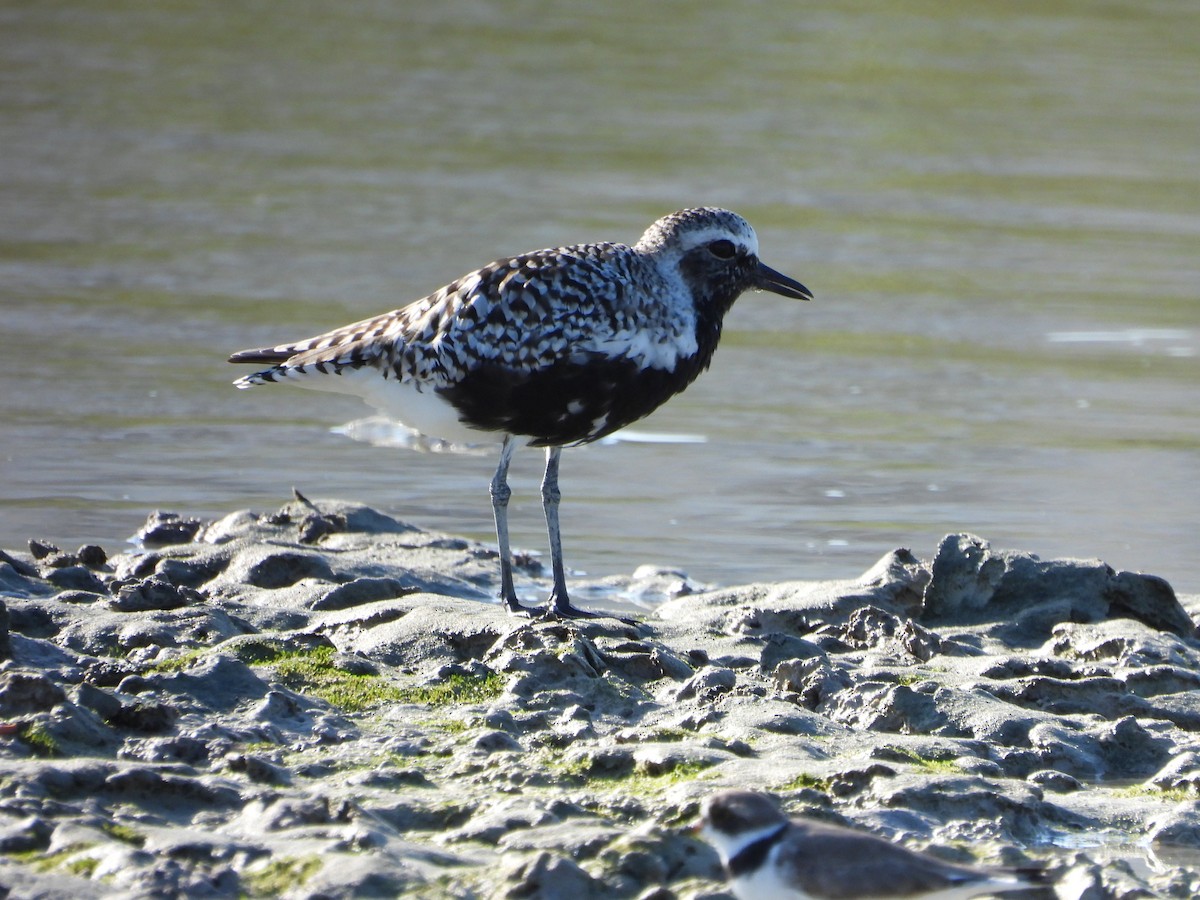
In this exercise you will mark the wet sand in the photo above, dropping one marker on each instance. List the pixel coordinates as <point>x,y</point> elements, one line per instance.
<point>322,701</point>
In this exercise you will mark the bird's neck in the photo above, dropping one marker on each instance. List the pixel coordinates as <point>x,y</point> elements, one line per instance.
<point>710,317</point>
<point>754,853</point>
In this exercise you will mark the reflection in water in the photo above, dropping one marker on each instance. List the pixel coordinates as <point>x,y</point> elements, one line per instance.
<point>1141,856</point>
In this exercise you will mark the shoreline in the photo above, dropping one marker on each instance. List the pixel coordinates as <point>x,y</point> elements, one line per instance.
<point>325,701</point>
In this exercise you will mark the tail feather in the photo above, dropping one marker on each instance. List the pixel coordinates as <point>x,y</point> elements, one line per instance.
<point>262,356</point>
<point>266,376</point>
<point>273,357</point>
<point>297,361</point>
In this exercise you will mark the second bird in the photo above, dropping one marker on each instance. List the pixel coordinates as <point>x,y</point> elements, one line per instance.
<point>555,347</point>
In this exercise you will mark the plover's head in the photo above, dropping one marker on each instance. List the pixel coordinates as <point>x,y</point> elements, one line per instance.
<point>716,254</point>
<point>732,820</point>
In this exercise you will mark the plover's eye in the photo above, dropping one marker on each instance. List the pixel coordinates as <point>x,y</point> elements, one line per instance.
<point>722,249</point>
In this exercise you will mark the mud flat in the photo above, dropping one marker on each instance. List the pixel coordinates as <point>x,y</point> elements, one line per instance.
<point>322,701</point>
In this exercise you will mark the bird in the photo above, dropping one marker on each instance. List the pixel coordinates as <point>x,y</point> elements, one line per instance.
<point>770,857</point>
<point>553,348</point>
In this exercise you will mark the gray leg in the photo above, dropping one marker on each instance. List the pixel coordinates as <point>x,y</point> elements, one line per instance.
<point>559,603</point>
<point>500,492</point>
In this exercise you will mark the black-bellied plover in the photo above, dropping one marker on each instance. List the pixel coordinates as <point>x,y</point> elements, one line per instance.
<point>769,857</point>
<point>556,347</point>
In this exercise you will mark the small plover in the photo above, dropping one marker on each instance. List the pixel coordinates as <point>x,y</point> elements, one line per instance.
<point>555,347</point>
<point>769,857</point>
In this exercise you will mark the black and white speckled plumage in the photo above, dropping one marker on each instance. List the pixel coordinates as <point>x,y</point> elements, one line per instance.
<point>559,346</point>
<point>769,857</point>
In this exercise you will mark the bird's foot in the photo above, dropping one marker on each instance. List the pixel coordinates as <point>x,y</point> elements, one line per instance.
<point>514,608</point>
<point>560,608</point>
<point>557,609</point>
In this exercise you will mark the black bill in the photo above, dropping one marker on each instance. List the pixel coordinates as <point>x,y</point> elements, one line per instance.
<point>770,280</point>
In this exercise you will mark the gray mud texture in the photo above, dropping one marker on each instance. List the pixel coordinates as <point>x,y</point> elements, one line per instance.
<point>326,702</point>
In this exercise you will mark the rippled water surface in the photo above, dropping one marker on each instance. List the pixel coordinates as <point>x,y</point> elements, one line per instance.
<point>996,205</point>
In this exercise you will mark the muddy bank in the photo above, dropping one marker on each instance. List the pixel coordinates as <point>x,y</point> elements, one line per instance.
<point>322,701</point>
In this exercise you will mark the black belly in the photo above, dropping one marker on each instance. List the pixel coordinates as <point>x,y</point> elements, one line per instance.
<point>566,403</point>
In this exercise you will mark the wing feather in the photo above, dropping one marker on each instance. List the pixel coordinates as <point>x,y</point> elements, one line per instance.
<point>524,313</point>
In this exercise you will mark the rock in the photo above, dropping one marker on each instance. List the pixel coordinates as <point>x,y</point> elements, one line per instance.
<point>1181,709</point>
<point>40,550</point>
<point>1179,827</point>
<point>577,668</point>
<point>1182,771</point>
<point>653,583</point>
<point>217,683</point>
<point>602,762</point>
<point>816,681</point>
<point>778,648</point>
<point>1067,750</point>
<point>418,630</point>
<point>499,822</point>
<point>707,684</point>
<point>408,815</point>
<point>548,877</point>
<point>893,584</point>
<point>188,573</point>
<point>496,741</point>
<point>144,716</point>
<point>152,593</point>
<point>315,526</point>
<point>1121,642</point>
<point>103,703</point>
<point>894,708</point>
<point>177,749</point>
<point>363,590</point>
<point>1008,811</point>
<point>656,760</point>
<point>1053,780</point>
<point>165,528</point>
<point>873,628</point>
<point>76,578</point>
<point>111,633</point>
<point>972,583</point>
<point>1150,600</point>
<point>24,835</point>
<point>1130,751</point>
<point>92,556</point>
<point>27,692</point>
<point>643,661</point>
<point>277,569</point>
<point>15,583</point>
<point>79,597</point>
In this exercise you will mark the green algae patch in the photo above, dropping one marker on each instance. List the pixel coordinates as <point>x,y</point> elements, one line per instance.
<point>927,764</point>
<point>179,663</point>
<point>123,833</point>
<point>315,672</point>
<point>68,858</point>
<point>805,781</point>
<point>455,689</point>
<point>84,866</point>
<point>280,875</point>
<point>39,740</point>
<point>1179,794</point>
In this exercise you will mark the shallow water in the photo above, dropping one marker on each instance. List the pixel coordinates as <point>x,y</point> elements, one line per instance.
<point>998,209</point>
